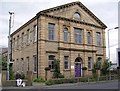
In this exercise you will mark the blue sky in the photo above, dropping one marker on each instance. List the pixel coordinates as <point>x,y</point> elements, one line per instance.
<point>105,10</point>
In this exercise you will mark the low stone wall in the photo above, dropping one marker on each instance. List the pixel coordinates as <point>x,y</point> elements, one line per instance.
<point>9,83</point>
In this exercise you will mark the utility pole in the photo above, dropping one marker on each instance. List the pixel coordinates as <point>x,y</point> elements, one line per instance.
<point>109,49</point>
<point>9,40</point>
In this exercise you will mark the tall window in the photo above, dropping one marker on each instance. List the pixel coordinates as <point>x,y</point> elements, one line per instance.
<point>78,35</point>
<point>99,62</point>
<point>22,39</point>
<point>51,31</point>
<point>89,38</point>
<point>89,62</point>
<point>28,36</point>
<point>98,38</point>
<point>17,41</point>
<point>65,34</point>
<point>35,33</point>
<point>35,63</point>
<point>66,62</point>
<point>51,61</point>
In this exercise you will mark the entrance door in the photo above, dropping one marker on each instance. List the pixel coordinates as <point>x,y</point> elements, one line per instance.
<point>77,70</point>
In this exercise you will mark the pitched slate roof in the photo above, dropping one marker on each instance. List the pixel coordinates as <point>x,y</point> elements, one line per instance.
<point>72,4</point>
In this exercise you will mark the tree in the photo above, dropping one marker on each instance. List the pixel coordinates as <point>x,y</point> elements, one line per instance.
<point>96,68</point>
<point>56,68</point>
<point>3,63</point>
<point>57,73</point>
<point>105,67</point>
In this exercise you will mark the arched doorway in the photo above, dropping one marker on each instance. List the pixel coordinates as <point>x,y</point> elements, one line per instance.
<point>78,67</point>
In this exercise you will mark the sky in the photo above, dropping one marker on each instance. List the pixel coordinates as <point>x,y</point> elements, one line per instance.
<point>105,10</point>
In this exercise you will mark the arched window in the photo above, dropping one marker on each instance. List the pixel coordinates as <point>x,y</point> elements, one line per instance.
<point>51,61</point>
<point>89,37</point>
<point>78,59</point>
<point>76,15</point>
<point>65,35</point>
<point>51,57</point>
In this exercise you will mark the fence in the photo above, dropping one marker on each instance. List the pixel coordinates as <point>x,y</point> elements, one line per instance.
<point>84,79</point>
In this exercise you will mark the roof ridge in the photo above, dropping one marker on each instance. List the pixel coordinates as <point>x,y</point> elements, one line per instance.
<point>59,6</point>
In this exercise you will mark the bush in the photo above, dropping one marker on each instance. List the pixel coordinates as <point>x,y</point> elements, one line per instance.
<point>72,80</point>
<point>40,80</point>
<point>11,74</point>
<point>4,64</point>
<point>58,81</point>
<point>64,80</point>
<point>83,79</point>
<point>91,79</point>
<point>49,82</point>
<point>61,76</point>
<point>22,75</point>
<point>35,80</point>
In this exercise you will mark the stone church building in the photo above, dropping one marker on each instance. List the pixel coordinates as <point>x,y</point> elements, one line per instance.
<point>70,33</point>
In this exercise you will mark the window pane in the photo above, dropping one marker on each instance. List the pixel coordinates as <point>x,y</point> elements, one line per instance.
<point>65,34</point>
<point>98,38</point>
<point>99,62</point>
<point>51,29</point>
<point>35,33</point>
<point>51,61</point>
<point>78,35</point>
<point>89,37</point>
<point>89,62</point>
<point>66,62</point>
<point>51,57</point>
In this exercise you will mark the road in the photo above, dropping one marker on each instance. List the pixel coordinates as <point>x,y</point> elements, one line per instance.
<point>107,86</point>
<point>94,85</point>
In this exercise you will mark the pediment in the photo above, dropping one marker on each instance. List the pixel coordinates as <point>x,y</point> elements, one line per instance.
<point>68,11</point>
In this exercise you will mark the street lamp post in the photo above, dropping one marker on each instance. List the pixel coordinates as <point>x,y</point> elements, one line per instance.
<point>11,13</point>
<point>109,49</point>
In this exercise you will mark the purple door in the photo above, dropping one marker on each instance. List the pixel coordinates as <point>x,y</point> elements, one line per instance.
<point>77,70</point>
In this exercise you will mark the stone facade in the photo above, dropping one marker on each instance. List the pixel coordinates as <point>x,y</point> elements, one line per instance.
<point>77,54</point>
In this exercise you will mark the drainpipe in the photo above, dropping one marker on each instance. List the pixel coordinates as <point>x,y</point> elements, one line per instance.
<point>37,45</point>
